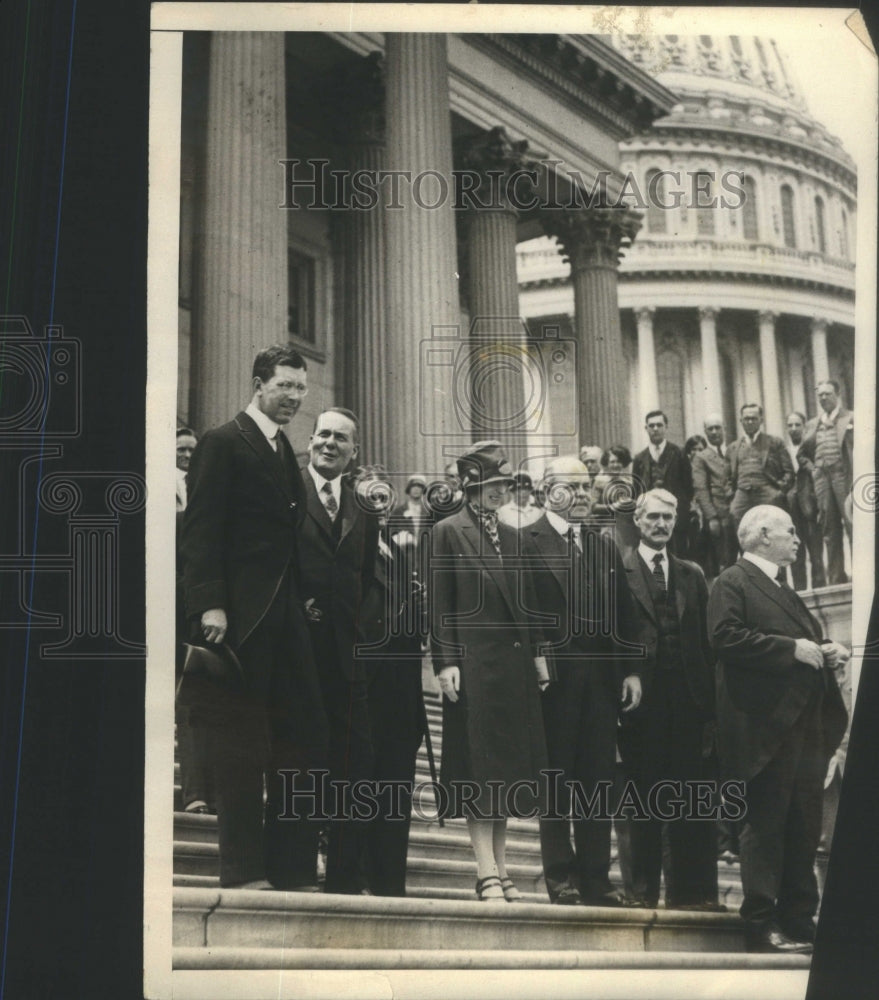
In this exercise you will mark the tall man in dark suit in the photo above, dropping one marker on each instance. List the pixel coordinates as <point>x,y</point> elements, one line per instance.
<point>663,466</point>
<point>338,543</point>
<point>669,737</point>
<point>827,452</point>
<point>713,494</point>
<point>579,584</point>
<point>804,510</point>
<point>780,717</point>
<point>241,573</point>
<point>760,469</point>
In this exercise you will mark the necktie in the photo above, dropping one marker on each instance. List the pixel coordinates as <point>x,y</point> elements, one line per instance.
<point>329,501</point>
<point>279,449</point>
<point>574,539</point>
<point>488,520</point>
<point>781,576</point>
<point>658,575</point>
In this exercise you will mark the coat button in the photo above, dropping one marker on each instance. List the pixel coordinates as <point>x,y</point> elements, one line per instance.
<point>292,505</point>
<point>517,645</point>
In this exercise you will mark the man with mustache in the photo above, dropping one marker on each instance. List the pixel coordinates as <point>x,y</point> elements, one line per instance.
<point>669,736</point>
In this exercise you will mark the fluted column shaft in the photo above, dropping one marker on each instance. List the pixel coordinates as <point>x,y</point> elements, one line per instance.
<point>820,362</point>
<point>773,418</point>
<point>244,274</point>
<point>592,240</point>
<point>421,255</point>
<point>648,384</point>
<point>711,392</point>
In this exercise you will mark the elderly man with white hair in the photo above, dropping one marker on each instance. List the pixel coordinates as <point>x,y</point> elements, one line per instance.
<point>780,718</point>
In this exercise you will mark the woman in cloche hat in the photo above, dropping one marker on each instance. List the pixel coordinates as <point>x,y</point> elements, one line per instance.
<point>484,655</point>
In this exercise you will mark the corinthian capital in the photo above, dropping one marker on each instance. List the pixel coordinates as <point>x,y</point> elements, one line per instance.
<point>593,237</point>
<point>503,173</point>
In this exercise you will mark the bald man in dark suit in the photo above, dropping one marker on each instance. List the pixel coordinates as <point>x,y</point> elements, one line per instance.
<point>780,718</point>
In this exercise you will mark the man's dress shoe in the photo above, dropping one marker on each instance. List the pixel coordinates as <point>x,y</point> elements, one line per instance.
<point>567,896</point>
<point>800,930</point>
<point>771,938</point>
<point>610,898</point>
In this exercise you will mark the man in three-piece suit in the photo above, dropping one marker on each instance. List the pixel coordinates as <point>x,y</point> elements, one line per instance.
<point>579,587</point>
<point>713,494</point>
<point>669,737</point>
<point>663,466</point>
<point>760,469</point>
<point>827,452</point>
<point>804,510</point>
<point>780,718</point>
<point>241,574</point>
<point>338,541</point>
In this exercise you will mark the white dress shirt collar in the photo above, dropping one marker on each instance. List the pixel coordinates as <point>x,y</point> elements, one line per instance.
<point>769,568</point>
<point>320,482</point>
<point>751,440</point>
<point>656,450</point>
<point>268,426</point>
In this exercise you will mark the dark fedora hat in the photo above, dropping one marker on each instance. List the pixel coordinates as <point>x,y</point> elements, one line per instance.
<point>484,462</point>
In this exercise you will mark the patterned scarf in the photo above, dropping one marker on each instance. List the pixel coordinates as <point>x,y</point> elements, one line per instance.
<point>488,520</point>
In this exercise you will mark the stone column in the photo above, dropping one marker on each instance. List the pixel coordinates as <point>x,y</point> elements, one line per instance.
<point>424,317</point>
<point>773,418</point>
<point>359,236</point>
<point>820,363</point>
<point>244,268</point>
<point>712,401</point>
<point>592,240</point>
<point>648,385</point>
<point>500,402</point>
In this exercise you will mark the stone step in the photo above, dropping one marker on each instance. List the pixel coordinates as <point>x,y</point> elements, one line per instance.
<point>207,918</point>
<point>421,959</point>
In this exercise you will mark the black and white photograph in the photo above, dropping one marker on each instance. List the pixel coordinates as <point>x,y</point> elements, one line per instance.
<point>505,630</point>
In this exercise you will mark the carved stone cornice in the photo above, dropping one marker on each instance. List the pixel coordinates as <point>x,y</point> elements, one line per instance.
<point>592,237</point>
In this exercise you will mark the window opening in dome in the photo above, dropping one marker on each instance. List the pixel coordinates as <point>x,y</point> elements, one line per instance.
<point>656,213</point>
<point>787,216</point>
<point>736,44</point>
<point>704,203</point>
<point>750,226</point>
<point>819,224</point>
<point>843,237</point>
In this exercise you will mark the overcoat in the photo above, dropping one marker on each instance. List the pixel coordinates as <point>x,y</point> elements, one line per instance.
<point>761,688</point>
<point>494,732</point>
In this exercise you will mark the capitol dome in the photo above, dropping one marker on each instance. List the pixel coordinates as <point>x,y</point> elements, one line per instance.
<point>740,284</point>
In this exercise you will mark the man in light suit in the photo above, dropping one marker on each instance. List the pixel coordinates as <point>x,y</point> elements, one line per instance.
<point>338,542</point>
<point>713,494</point>
<point>760,469</point>
<point>780,717</point>
<point>663,466</point>
<point>804,510</point>
<point>827,453</point>
<point>669,737</point>
<point>579,584</point>
<point>241,567</point>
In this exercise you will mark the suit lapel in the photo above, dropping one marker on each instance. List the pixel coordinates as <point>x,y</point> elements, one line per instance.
<point>348,511</point>
<point>269,457</point>
<point>773,592</point>
<point>679,575</point>
<point>549,543</point>
<point>631,561</point>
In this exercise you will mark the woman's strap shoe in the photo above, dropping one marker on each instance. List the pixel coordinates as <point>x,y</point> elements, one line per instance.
<point>489,888</point>
<point>511,893</point>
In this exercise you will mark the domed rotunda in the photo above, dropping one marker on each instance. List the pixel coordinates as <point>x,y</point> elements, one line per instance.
<point>739,287</point>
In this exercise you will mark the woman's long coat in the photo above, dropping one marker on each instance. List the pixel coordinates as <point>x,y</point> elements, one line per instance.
<point>477,600</point>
